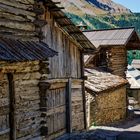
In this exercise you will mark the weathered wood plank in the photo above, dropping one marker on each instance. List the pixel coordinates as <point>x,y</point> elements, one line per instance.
<point>17,4</point>
<point>16,11</point>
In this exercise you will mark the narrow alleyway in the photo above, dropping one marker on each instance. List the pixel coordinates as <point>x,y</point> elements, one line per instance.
<point>125,130</point>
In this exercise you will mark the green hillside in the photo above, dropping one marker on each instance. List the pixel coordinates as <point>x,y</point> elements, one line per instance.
<point>111,21</point>
<point>108,21</point>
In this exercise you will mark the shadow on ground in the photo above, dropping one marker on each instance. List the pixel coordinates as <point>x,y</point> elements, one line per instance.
<point>128,129</point>
<point>129,122</point>
<point>101,134</point>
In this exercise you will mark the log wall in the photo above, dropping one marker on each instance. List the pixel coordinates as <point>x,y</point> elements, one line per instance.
<point>27,99</point>
<point>117,60</point>
<point>17,19</point>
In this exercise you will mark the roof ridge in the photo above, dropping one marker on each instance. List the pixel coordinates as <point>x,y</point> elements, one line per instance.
<point>123,28</point>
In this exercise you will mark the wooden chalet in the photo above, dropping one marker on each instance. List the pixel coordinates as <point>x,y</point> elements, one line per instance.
<point>40,97</point>
<point>106,97</point>
<point>111,48</point>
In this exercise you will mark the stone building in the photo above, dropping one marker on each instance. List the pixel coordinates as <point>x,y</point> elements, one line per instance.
<point>43,95</point>
<point>106,97</point>
<point>111,49</point>
<point>21,69</point>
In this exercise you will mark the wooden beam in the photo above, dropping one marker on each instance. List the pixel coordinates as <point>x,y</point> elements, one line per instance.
<point>75,32</point>
<point>83,91</point>
<point>69,107</point>
<point>61,17</point>
<point>52,4</point>
<point>55,9</point>
<point>12,107</point>
<point>81,40</point>
<point>133,46</point>
<point>90,51</point>
<point>66,25</point>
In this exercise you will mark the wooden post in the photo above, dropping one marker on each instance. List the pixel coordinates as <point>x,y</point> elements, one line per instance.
<point>68,107</point>
<point>83,91</point>
<point>12,107</point>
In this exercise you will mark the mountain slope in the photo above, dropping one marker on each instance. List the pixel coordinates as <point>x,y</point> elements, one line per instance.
<point>108,21</point>
<point>100,14</point>
<point>109,6</point>
<point>93,7</point>
<point>81,7</point>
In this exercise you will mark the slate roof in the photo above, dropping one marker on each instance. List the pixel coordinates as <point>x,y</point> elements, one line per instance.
<point>18,50</point>
<point>109,37</point>
<point>99,81</point>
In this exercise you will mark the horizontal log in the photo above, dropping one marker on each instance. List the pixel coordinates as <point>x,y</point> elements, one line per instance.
<point>14,17</point>
<point>16,32</point>
<point>76,98</point>
<point>18,69</point>
<point>56,110</point>
<point>17,25</point>
<point>57,86</point>
<point>17,4</point>
<point>16,11</point>
<point>24,38</point>
<point>76,86</point>
<point>26,1</point>
<point>51,81</point>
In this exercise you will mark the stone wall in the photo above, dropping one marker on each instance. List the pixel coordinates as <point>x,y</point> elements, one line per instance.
<point>26,76</point>
<point>107,107</point>
<point>20,19</point>
<point>4,108</point>
<point>117,60</point>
